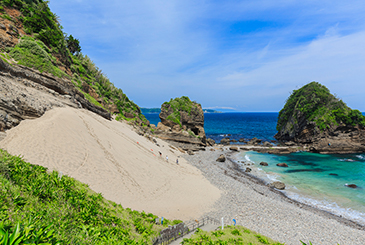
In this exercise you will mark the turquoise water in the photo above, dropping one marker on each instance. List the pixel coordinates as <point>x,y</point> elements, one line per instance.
<point>318,180</point>
<point>307,178</point>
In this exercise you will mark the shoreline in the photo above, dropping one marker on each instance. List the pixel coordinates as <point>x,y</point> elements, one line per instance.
<point>285,219</point>
<point>257,180</point>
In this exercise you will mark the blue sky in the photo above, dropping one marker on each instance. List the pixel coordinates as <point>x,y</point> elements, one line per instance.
<point>243,55</point>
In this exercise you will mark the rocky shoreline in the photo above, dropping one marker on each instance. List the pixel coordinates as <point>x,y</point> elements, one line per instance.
<point>264,209</point>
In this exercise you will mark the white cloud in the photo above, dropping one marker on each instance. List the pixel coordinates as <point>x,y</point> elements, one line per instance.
<point>156,50</point>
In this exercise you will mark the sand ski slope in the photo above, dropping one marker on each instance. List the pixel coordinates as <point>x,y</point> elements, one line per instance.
<point>115,161</point>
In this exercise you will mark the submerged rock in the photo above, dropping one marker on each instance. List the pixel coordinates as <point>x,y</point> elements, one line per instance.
<point>264,164</point>
<point>284,165</point>
<point>351,186</point>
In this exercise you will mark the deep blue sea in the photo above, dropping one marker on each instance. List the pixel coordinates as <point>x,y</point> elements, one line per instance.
<point>315,179</point>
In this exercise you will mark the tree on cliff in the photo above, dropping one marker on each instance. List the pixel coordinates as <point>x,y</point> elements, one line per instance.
<point>73,44</point>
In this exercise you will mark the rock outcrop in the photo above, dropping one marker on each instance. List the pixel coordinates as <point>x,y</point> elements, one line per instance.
<point>26,93</point>
<point>312,116</point>
<point>182,123</point>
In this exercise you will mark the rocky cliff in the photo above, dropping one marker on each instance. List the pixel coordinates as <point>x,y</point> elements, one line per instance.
<point>314,117</point>
<point>26,93</point>
<point>182,121</point>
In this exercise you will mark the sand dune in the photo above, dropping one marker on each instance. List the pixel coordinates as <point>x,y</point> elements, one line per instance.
<point>115,161</point>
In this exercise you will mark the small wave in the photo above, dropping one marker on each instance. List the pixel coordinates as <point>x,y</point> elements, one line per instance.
<point>247,158</point>
<point>362,157</point>
<point>272,177</point>
<point>331,207</point>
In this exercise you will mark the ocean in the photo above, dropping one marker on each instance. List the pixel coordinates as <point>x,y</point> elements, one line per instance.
<point>314,179</point>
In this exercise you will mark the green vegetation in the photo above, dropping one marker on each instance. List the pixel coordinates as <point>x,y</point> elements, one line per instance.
<point>49,49</point>
<point>315,102</point>
<point>230,235</point>
<point>38,206</point>
<point>177,105</point>
<point>35,54</point>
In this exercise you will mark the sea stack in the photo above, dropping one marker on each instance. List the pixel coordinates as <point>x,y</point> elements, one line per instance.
<point>314,117</point>
<point>182,123</point>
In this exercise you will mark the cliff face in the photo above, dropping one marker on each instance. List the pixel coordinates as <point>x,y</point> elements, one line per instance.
<point>182,121</point>
<point>313,116</point>
<point>26,93</point>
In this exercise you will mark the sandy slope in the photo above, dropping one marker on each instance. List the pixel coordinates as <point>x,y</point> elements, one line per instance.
<point>115,161</point>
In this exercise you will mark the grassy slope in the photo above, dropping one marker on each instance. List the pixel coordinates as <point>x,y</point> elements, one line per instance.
<point>230,235</point>
<point>318,105</point>
<point>74,214</point>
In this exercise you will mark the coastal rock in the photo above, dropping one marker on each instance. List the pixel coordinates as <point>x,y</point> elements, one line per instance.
<point>254,141</point>
<point>284,165</point>
<point>242,140</point>
<point>210,142</point>
<point>351,186</point>
<point>233,148</point>
<point>267,144</point>
<point>278,185</point>
<point>225,141</point>
<point>264,164</point>
<point>221,158</point>
<point>233,141</point>
<point>182,120</point>
<point>316,118</point>
<point>248,170</point>
<point>190,152</point>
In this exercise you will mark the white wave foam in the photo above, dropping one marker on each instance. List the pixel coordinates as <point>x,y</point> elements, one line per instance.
<point>331,207</point>
<point>247,158</point>
<point>362,157</point>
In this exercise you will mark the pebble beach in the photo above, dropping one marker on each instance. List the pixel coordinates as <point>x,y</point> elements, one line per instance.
<point>258,207</point>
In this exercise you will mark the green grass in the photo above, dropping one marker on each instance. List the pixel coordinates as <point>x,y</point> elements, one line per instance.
<point>44,202</point>
<point>35,54</point>
<point>230,235</point>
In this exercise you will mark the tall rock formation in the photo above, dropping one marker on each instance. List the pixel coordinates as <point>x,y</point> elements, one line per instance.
<point>313,116</point>
<point>182,122</point>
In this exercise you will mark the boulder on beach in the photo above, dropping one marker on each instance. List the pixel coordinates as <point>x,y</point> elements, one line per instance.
<point>233,140</point>
<point>248,170</point>
<point>210,142</point>
<point>264,164</point>
<point>278,185</point>
<point>242,140</point>
<point>221,158</point>
<point>233,148</point>
<point>284,165</point>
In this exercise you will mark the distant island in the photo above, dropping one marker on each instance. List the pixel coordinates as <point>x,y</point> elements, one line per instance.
<point>158,111</point>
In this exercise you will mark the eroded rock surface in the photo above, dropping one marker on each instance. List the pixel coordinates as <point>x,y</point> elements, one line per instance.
<point>26,93</point>
<point>182,124</point>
